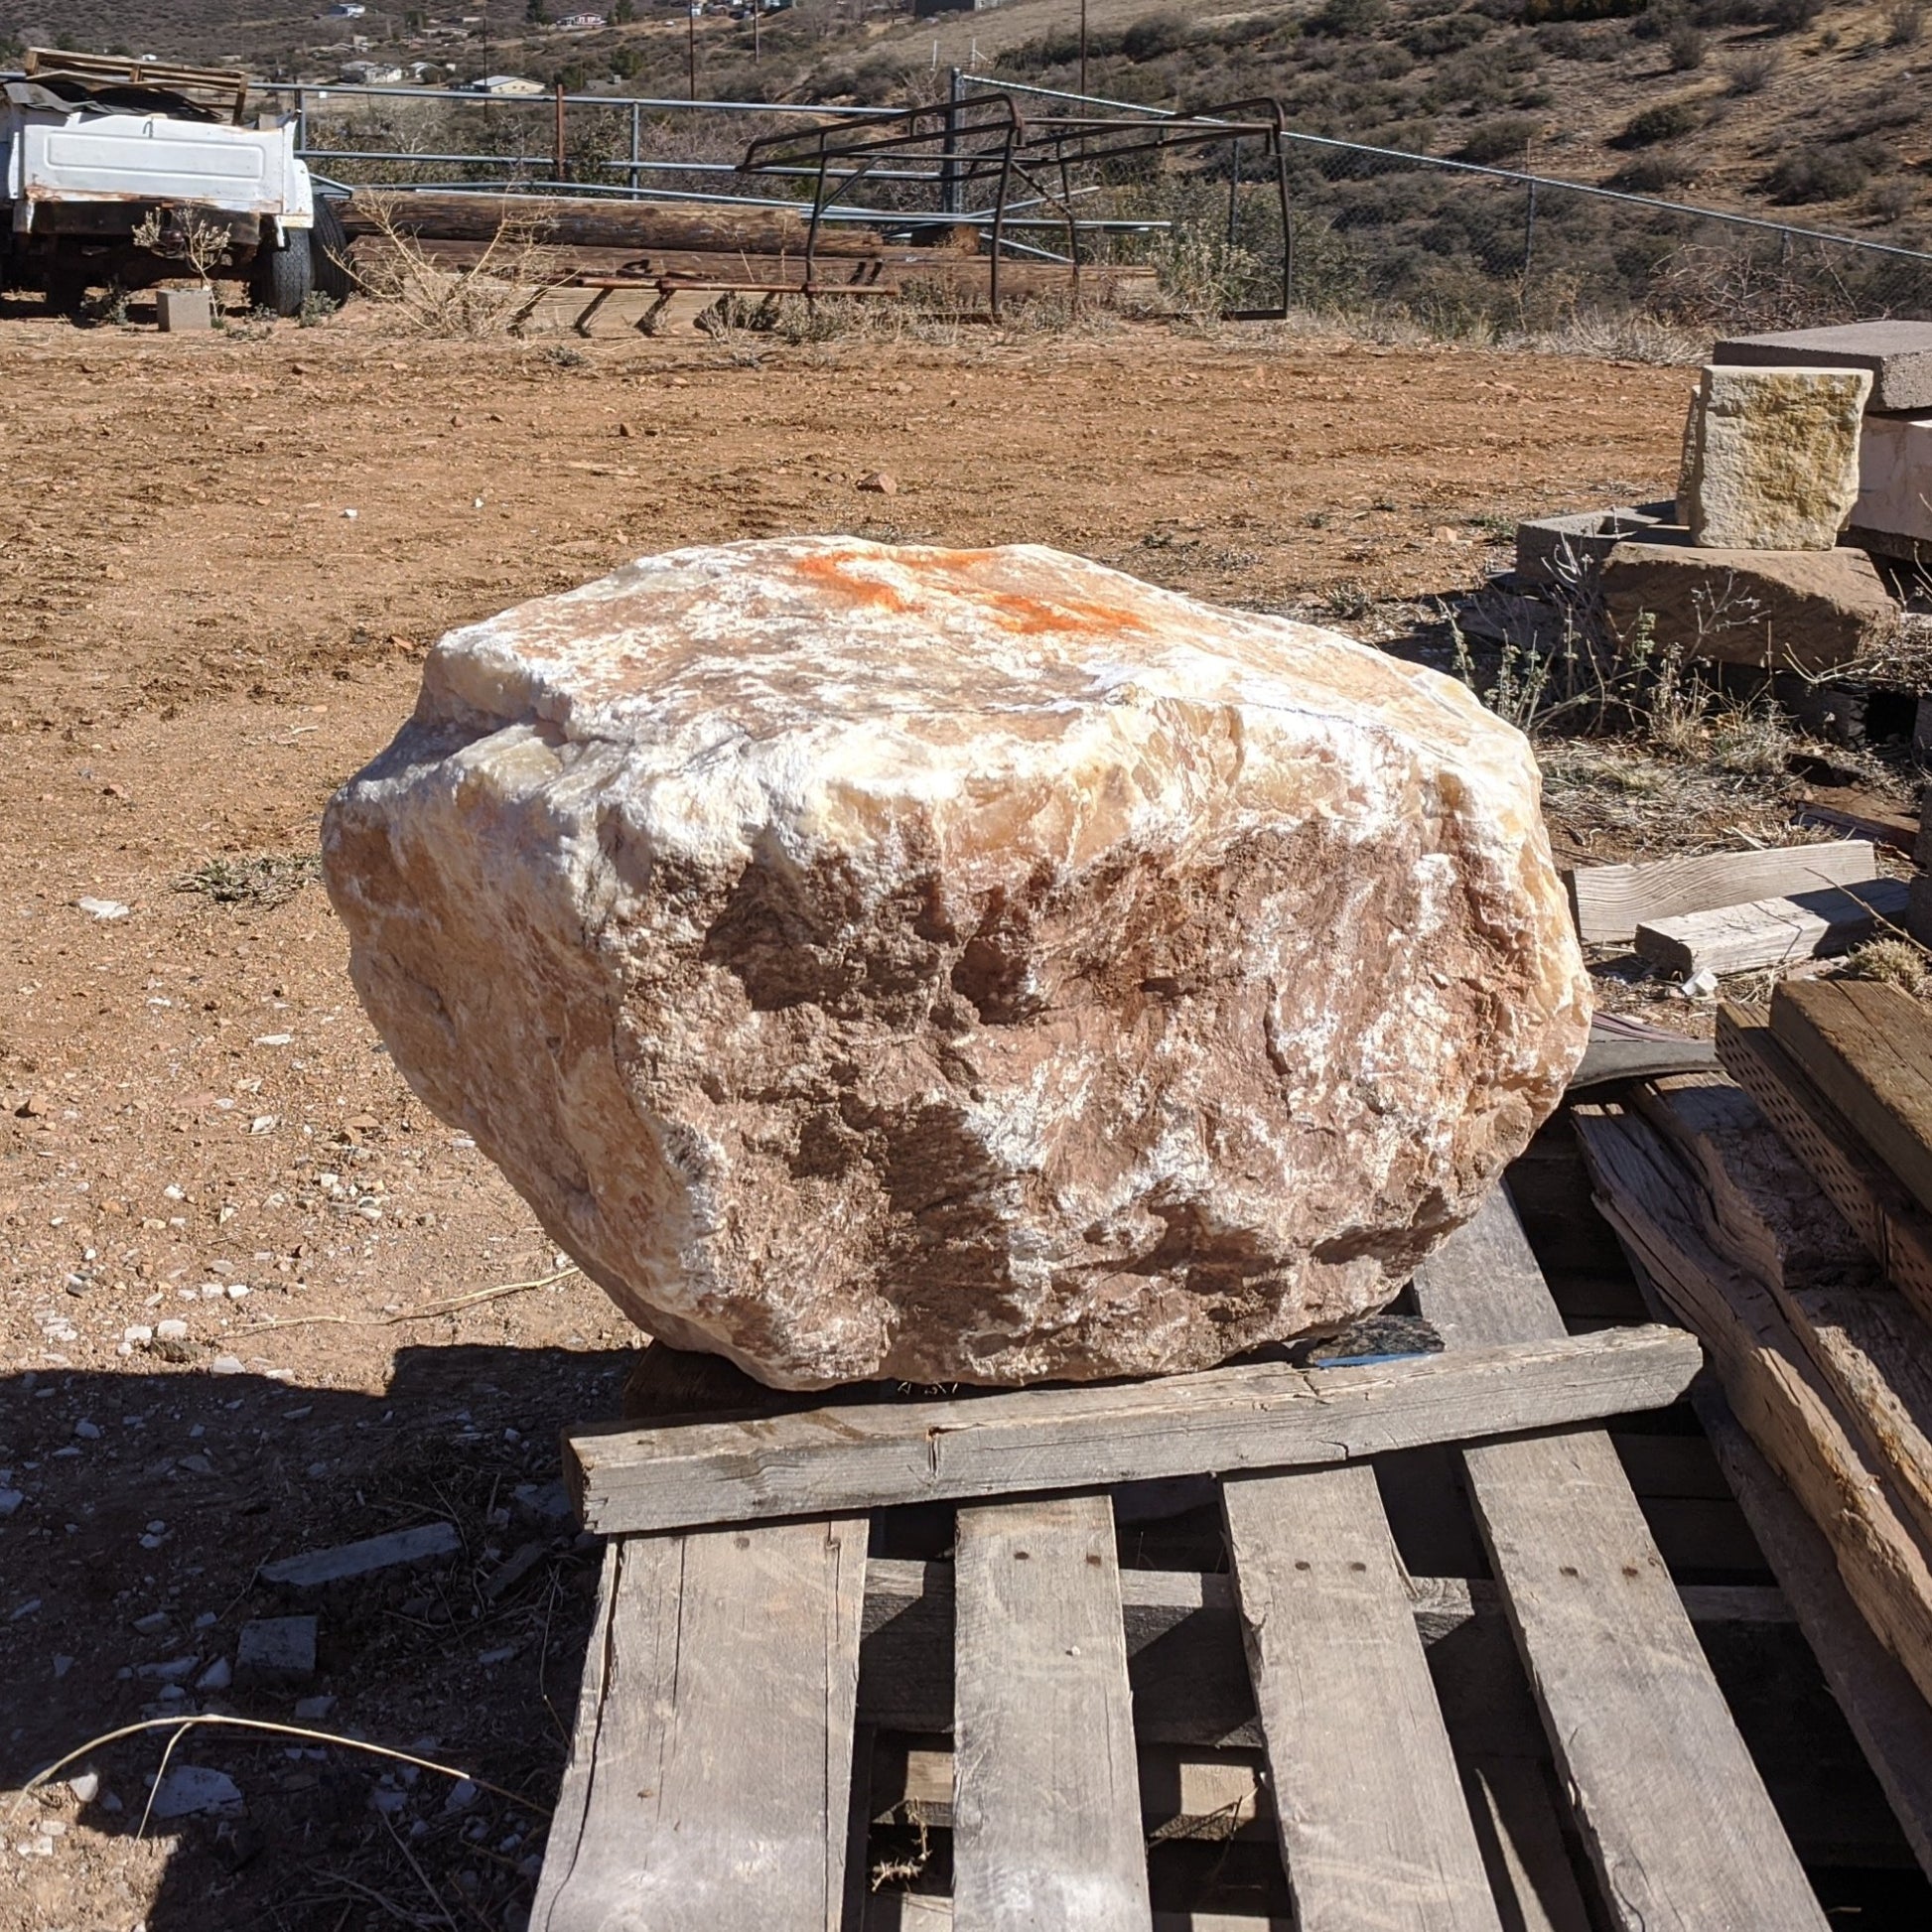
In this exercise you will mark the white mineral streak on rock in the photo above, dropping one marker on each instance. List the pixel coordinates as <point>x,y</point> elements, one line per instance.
<point>961,965</point>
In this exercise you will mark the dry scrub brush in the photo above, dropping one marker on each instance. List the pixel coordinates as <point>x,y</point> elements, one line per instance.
<point>490,296</point>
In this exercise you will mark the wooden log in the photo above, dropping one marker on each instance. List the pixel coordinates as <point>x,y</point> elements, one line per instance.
<point>1610,903</point>
<point>1375,1831</point>
<point>1875,1204</point>
<point>1867,1047</point>
<point>837,1459</point>
<point>1770,932</point>
<point>1775,1388</point>
<point>708,1775</point>
<point>1676,1819</point>
<point>1047,1811</point>
<point>1760,1210</point>
<point>1890,1719</point>
<point>574,222</point>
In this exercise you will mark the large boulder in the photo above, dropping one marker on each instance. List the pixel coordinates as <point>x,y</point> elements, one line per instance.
<point>961,965</point>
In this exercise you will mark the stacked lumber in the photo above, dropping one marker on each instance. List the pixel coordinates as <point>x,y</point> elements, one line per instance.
<point>1782,1210</point>
<point>1721,912</point>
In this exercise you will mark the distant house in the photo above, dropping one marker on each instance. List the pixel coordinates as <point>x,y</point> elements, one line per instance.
<point>347,10</point>
<point>505,83</point>
<point>370,73</point>
<point>581,23</point>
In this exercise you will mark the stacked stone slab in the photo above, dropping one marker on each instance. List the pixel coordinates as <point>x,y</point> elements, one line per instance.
<point>1754,574</point>
<point>961,965</point>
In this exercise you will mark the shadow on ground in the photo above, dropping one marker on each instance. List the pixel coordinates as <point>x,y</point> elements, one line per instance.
<point>147,1505</point>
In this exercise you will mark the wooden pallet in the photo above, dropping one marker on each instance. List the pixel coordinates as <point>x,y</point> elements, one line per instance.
<point>721,1770</point>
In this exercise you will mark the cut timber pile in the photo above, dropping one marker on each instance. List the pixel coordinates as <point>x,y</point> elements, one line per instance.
<point>1787,1220</point>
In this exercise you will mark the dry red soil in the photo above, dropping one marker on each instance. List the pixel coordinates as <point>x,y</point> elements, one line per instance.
<point>200,642</point>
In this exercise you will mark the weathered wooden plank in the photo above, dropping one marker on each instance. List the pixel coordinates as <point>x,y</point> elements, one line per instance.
<point>1185,1659</point>
<point>1759,1208</point>
<point>1767,932</point>
<point>1046,1808</point>
<point>1775,1388</point>
<point>630,1480</point>
<point>1374,1827</point>
<point>1876,1204</point>
<point>900,1911</point>
<point>1868,1048</point>
<point>708,1780</point>
<point>1611,901</point>
<point>1676,1817</point>
<point>1890,1719</point>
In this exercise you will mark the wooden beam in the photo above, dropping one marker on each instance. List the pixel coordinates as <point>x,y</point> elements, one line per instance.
<point>1771,1383</point>
<point>1868,1048</point>
<point>1610,903</point>
<point>1890,1719</point>
<point>1047,1806</point>
<point>708,1776</point>
<point>1670,1805</point>
<point>1375,1831</point>
<point>629,1481</point>
<point>1770,932</point>
<point>1876,1204</point>
<point>1760,1210</point>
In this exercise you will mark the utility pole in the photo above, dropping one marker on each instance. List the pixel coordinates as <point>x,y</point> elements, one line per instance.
<point>691,48</point>
<point>1083,45</point>
<point>758,32</point>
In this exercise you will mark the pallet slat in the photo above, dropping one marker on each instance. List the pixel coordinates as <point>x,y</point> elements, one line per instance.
<point>708,1782</point>
<point>1374,1827</point>
<point>1047,1806</point>
<point>1610,903</point>
<point>630,1481</point>
<point>1674,1816</point>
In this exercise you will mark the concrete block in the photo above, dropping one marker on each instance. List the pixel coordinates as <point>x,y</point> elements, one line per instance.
<point>1898,355</point>
<point>276,1650</point>
<point>183,309</point>
<point>1895,477</point>
<point>1562,551</point>
<point>1776,459</point>
<point>1798,610</point>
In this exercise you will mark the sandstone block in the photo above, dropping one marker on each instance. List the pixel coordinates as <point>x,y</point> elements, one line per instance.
<point>961,965</point>
<point>1774,463</point>
<point>1897,355</point>
<point>1895,477</point>
<point>1799,610</point>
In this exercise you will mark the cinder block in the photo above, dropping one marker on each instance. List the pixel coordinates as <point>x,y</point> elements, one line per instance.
<point>1898,355</point>
<point>1562,551</point>
<point>181,309</point>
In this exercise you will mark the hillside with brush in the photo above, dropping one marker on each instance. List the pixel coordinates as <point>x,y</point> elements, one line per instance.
<point>1814,115</point>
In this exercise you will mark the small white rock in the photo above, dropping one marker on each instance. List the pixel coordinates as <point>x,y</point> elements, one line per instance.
<point>218,1676</point>
<point>262,1124</point>
<point>85,1787</point>
<point>102,908</point>
<point>88,1431</point>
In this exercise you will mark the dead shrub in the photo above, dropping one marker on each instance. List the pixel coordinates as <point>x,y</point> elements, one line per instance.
<point>487,296</point>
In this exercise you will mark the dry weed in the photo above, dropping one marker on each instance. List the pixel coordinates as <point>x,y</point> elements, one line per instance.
<point>1899,962</point>
<point>489,297</point>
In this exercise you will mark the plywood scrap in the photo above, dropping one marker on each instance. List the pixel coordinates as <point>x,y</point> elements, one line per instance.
<point>1892,1227</point>
<point>1611,901</point>
<point>1770,932</point>
<point>1866,1046</point>
<point>1776,1390</point>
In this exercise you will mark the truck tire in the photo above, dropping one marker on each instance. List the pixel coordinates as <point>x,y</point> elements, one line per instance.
<point>329,252</point>
<point>281,277</point>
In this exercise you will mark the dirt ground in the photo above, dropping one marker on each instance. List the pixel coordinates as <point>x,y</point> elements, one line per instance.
<point>222,560</point>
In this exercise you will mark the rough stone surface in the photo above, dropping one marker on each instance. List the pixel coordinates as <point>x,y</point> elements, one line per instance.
<point>1897,354</point>
<point>1797,610</point>
<point>1566,552</point>
<point>1776,459</point>
<point>1895,477</point>
<point>961,965</point>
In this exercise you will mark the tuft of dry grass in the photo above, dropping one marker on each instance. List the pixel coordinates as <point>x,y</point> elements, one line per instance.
<point>489,297</point>
<point>1898,961</point>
